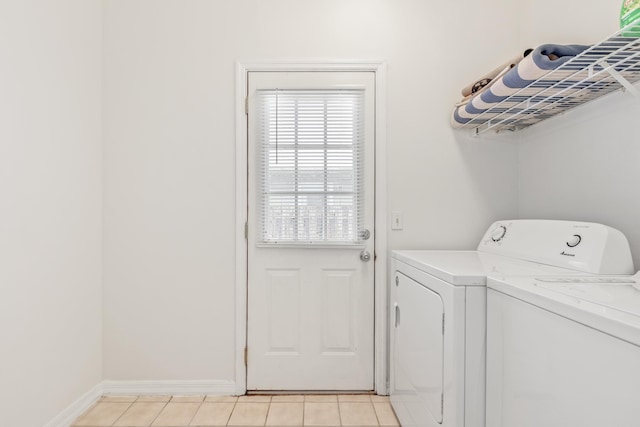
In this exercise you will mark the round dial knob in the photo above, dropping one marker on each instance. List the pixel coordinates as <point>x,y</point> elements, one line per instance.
<point>498,233</point>
<point>574,240</point>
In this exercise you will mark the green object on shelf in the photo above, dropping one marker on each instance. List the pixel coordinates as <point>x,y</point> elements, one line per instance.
<point>629,14</point>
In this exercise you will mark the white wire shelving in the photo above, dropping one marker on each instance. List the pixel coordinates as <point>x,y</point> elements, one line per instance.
<point>605,67</point>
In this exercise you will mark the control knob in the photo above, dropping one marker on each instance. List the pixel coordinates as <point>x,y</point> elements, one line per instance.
<point>574,240</point>
<point>498,233</point>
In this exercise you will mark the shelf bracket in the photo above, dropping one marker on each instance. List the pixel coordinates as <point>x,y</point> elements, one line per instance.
<point>620,79</point>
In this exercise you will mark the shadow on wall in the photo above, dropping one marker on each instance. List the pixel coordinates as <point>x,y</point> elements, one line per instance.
<point>584,166</point>
<point>490,162</point>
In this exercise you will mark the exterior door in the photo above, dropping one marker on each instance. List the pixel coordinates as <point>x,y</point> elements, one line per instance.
<point>310,231</point>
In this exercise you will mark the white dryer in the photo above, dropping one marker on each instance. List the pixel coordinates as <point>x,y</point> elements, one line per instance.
<point>438,311</point>
<point>563,351</point>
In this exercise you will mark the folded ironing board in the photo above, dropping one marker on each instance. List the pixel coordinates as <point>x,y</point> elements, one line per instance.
<point>517,80</point>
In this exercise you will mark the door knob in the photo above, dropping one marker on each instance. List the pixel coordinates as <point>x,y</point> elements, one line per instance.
<point>365,256</point>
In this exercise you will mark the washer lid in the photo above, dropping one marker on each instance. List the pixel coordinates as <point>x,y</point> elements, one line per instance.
<point>615,293</point>
<point>471,268</point>
<point>608,304</point>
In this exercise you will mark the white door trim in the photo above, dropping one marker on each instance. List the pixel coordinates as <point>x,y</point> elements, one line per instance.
<point>380,285</point>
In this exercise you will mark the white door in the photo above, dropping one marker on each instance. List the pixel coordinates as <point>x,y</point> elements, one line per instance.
<point>310,231</point>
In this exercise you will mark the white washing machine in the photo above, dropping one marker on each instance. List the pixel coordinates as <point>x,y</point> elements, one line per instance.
<point>563,352</point>
<point>438,310</point>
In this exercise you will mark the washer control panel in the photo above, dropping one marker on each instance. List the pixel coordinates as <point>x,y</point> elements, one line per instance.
<point>581,246</point>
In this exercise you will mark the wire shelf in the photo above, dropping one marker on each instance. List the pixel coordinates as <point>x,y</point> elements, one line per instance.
<point>605,67</point>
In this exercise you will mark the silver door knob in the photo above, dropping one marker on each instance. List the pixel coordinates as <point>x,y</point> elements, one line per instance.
<point>365,256</point>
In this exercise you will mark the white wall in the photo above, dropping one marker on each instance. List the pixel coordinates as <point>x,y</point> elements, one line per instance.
<point>170,153</point>
<point>50,207</point>
<point>584,165</point>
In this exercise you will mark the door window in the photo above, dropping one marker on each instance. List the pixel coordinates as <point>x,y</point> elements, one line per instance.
<point>310,165</point>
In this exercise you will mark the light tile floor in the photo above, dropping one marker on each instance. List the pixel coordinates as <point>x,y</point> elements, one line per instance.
<point>354,410</point>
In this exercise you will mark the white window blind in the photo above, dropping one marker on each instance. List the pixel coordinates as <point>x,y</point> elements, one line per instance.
<point>310,171</point>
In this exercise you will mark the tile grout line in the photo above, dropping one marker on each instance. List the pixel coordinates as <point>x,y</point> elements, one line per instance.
<point>160,411</point>
<point>268,410</point>
<point>370,402</point>
<point>196,411</point>
<point>231,413</point>
<point>375,412</point>
<point>123,412</point>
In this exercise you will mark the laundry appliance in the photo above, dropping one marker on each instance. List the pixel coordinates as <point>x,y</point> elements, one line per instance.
<point>563,351</point>
<point>438,310</point>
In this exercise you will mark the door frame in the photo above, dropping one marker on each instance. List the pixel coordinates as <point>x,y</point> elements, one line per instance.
<point>241,187</point>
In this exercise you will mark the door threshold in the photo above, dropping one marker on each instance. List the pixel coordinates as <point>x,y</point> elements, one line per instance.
<point>303,392</point>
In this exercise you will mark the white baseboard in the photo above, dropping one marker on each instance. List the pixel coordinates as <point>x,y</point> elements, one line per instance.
<point>182,388</point>
<point>77,408</point>
<point>139,388</point>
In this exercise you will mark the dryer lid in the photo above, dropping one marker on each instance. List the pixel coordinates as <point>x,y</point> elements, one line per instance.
<point>471,268</point>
